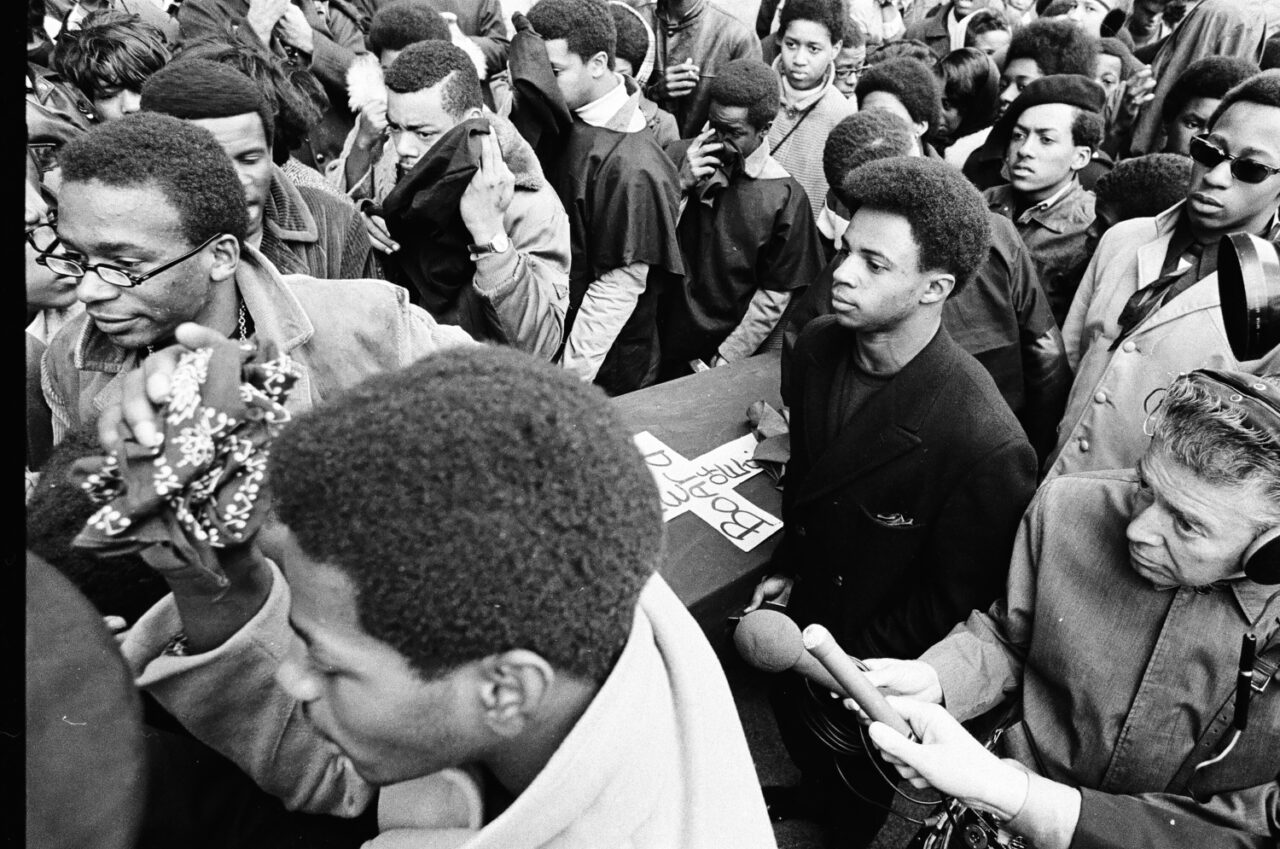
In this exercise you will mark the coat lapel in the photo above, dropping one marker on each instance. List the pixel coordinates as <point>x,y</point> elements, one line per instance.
<point>888,425</point>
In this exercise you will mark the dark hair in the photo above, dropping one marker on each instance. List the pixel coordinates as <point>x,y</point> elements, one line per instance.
<point>750,83</point>
<point>403,22</point>
<point>971,83</point>
<point>860,138</point>
<point>854,35</point>
<point>57,511</point>
<point>908,80</point>
<point>183,161</point>
<point>1210,77</point>
<point>586,26</point>
<point>426,64</point>
<point>903,48</point>
<point>948,217</point>
<point>1087,129</point>
<point>195,89</point>
<point>112,49</point>
<point>831,14</point>
<point>1145,186</point>
<point>1057,46</point>
<point>1129,63</point>
<point>502,505</point>
<point>633,37</point>
<point>982,22</point>
<point>296,99</point>
<point>1262,88</point>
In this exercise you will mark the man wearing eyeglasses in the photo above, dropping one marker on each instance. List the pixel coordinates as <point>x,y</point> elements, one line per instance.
<point>1147,308</point>
<point>152,223</point>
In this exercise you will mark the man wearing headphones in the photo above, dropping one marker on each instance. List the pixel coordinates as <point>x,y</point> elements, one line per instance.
<point>1130,594</point>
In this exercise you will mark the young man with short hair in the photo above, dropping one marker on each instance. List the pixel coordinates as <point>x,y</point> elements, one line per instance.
<point>694,39</point>
<point>152,221</point>
<point>109,59</point>
<point>809,40</point>
<point>1050,133</point>
<point>746,233</point>
<point>511,673</point>
<point>487,250</point>
<point>1001,316</point>
<point>300,229</point>
<point>851,60</point>
<point>908,471</point>
<point>1044,48</point>
<point>622,194</point>
<point>1196,94</point>
<point>1148,305</point>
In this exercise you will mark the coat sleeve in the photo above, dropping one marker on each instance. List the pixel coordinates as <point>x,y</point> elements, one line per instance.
<point>528,284</point>
<point>968,555</point>
<point>229,699</point>
<point>1242,819</point>
<point>980,662</point>
<point>1046,375</point>
<point>491,35</point>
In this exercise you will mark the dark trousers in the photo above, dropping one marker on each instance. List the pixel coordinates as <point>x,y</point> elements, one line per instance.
<point>851,796</point>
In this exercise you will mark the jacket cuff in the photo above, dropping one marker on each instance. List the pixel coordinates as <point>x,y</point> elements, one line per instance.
<point>495,276</point>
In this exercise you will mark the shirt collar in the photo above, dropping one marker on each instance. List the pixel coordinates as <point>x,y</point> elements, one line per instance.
<point>614,110</point>
<point>797,101</point>
<point>1048,202</point>
<point>754,165</point>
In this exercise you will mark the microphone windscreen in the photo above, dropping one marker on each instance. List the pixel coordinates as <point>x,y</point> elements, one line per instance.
<point>769,640</point>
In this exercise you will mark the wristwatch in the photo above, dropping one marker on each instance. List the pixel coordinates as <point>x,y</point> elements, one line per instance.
<point>498,245</point>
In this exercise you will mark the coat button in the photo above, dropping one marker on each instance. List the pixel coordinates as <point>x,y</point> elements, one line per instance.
<point>1129,347</point>
<point>1100,398</point>
<point>1084,445</point>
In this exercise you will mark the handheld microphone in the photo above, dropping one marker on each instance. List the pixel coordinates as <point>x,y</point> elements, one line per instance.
<point>770,640</point>
<point>853,683</point>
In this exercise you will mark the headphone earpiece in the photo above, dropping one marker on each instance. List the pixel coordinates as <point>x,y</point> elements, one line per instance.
<point>1262,558</point>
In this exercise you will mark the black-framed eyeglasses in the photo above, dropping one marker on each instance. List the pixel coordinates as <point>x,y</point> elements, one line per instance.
<point>1243,169</point>
<point>42,238</point>
<point>65,266</point>
<point>44,155</point>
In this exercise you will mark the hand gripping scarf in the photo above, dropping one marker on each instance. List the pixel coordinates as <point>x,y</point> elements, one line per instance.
<point>203,487</point>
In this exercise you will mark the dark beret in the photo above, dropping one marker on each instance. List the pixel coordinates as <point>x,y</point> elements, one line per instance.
<point>1073,89</point>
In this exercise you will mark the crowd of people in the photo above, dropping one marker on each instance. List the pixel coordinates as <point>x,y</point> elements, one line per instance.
<point>335,538</point>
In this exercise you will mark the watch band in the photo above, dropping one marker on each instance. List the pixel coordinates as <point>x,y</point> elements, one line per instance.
<point>497,245</point>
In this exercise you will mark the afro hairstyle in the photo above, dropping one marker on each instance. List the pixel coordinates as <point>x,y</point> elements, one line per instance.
<point>831,14</point>
<point>113,50</point>
<point>403,22</point>
<point>1057,46</point>
<point>750,83</point>
<point>860,138</point>
<point>58,510</point>
<point>426,64</point>
<point>633,37</point>
<point>1145,186</point>
<point>909,80</point>
<point>502,506</point>
<point>948,217</point>
<point>183,161</point>
<point>1262,88</point>
<point>984,21</point>
<point>1211,77</point>
<point>296,98</point>
<point>196,89</point>
<point>585,25</point>
<point>903,48</point>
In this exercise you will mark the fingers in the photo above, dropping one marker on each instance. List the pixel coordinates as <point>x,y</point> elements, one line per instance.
<point>376,228</point>
<point>193,336</point>
<point>757,598</point>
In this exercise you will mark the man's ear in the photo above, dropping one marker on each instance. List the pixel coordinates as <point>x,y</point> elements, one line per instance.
<point>938,288</point>
<point>598,65</point>
<point>1081,157</point>
<point>514,685</point>
<point>226,258</point>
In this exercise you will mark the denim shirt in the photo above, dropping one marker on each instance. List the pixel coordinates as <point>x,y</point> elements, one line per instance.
<point>1125,688</point>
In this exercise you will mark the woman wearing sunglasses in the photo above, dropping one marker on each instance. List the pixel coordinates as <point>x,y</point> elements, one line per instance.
<point>1148,306</point>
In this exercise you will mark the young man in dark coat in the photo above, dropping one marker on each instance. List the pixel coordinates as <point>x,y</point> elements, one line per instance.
<point>908,472</point>
<point>746,234</point>
<point>621,193</point>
